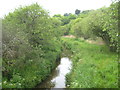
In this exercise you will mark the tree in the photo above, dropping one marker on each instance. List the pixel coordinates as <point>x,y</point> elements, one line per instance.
<point>29,44</point>
<point>77,12</point>
<point>57,15</point>
<point>86,11</point>
<point>67,14</point>
<point>24,30</point>
<point>111,25</point>
<point>102,22</point>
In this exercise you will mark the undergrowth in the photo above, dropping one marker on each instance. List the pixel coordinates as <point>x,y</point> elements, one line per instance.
<point>94,66</point>
<point>35,70</point>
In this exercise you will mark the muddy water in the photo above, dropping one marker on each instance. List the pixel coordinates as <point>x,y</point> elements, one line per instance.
<point>57,79</point>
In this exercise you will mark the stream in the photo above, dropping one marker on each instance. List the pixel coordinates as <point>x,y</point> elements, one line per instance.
<point>57,79</point>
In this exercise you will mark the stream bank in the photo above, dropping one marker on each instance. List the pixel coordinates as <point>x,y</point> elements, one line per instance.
<point>57,79</point>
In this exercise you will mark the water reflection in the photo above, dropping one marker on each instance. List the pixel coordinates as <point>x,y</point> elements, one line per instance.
<point>57,78</point>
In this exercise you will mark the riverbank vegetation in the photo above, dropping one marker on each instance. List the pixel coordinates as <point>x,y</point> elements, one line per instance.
<point>94,66</point>
<point>32,43</point>
<point>30,47</point>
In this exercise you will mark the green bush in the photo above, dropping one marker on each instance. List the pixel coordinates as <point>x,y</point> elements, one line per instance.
<point>30,46</point>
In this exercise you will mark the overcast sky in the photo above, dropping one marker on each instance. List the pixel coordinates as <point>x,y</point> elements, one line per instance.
<point>54,6</point>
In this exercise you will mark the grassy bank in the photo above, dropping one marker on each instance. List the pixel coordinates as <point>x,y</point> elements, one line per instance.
<point>94,66</point>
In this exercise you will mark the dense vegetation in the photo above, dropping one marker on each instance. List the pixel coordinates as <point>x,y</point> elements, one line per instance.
<point>32,44</point>
<point>30,47</point>
<point>98,23</point>
<point>94,66</point>
<point>102,23</point>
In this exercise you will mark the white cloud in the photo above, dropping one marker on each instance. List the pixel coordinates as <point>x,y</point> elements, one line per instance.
<point>54,6</point>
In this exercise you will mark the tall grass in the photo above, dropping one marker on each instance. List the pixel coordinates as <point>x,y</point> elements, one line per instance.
<point>94,66</point>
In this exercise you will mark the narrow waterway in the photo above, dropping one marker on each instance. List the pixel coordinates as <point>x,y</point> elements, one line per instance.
<point>58,77</point>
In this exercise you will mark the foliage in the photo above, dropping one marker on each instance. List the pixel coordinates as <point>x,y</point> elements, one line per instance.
<point>66,14</point>
<point>91,70</point>
<point>66,18</point>
<point>56,27</point>
<point>111,25</point>
<point>86,11</point>
<point>64,27</point>
<point>30,46</point>
<point>99,23</point>
<point>77,12</point>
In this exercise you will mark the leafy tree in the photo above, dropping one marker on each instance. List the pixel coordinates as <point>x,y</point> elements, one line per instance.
<point>29,45</point>
<point>77,12</point>
<point>66,14</point>
<point>66,19</point>
<point>56,27</point>
<point>102,23</point>
<point>72,17</point>
<point>86,11</point>
<point>111,25</point>
<point>57,15</point>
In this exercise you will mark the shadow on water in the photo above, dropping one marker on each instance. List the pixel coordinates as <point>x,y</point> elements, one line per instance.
<point>57,79</point>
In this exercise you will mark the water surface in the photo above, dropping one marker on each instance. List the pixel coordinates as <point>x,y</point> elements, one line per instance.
<point>57,78</point>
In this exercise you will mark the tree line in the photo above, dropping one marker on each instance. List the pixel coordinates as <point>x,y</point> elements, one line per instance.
<point>102,23</point>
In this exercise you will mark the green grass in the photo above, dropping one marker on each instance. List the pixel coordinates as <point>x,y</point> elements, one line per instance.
<point>94,66</point>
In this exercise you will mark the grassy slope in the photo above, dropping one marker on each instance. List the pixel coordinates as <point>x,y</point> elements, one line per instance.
<point>93,65</point>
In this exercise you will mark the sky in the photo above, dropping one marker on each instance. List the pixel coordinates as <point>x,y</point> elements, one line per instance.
<point>53,6</point>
